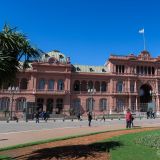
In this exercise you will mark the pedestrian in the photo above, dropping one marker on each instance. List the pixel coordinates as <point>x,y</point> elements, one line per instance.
<point>128,119</point>
<point>37,117</point>
<point>89,118</point>
<point>79,116</point>
<point>132,119</point>
<point>148,114</point>
<point>103,118</point>
<point>46,116</point>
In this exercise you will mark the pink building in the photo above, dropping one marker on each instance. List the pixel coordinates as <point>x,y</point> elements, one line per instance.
<point>55,85</point>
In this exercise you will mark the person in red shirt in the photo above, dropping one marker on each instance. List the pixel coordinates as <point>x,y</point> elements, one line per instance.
<point>128,119</point>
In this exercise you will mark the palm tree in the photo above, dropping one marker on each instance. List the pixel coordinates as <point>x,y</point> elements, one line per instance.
<point>14,46</point>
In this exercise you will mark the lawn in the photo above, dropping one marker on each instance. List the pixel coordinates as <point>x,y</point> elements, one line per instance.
<point>5,158</point>
<point>137,146</point>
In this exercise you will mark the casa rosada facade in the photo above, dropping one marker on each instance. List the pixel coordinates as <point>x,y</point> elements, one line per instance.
<point>55,85</point>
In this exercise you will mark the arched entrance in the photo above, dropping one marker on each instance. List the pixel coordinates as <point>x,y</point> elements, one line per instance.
<point>145,94</point>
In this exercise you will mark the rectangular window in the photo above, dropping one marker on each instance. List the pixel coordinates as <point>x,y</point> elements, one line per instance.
<point>122,69</point>
<point>132,88</point>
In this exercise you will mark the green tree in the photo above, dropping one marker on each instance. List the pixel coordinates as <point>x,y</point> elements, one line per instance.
<point>14,46</point>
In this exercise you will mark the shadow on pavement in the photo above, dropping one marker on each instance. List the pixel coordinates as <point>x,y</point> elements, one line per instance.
<point>71,152</point>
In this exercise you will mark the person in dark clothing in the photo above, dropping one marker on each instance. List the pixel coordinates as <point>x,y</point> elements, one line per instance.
<point>46,116</point>
<point>79,116</point>
<point>148,114</point>
<point>89,118</point>
<point>37,117</point>
<point>132,119</point>
<point>103,118</point>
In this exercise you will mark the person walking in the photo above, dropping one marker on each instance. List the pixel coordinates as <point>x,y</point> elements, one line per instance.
<point>89,118</point>
<point>37,117</point>
<point>128,119</point>
<point>132,119</point>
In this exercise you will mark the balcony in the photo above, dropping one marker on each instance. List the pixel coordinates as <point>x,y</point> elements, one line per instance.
<point>53,92</point>
<point>95,93</point>
<point>37,91</point>
<point>20,91</point>
<point>124,93</point>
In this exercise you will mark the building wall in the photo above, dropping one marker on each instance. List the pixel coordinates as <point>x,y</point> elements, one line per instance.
<point>120,70</point>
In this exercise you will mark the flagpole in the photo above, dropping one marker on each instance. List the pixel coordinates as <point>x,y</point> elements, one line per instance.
<point>144,42</point>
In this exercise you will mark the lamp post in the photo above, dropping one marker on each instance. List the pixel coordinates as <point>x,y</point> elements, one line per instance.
<point>91,92</point>
<point>12,90</point>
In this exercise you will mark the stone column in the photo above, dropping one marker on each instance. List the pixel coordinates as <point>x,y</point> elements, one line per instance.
<point>135,86</point>
<point>46,85</point>
<point>45,105</point>
<point>136,104</point>
<point>55,85</point>
<point>129,102</point>
<point>128,86</point>
<point>101,87</point>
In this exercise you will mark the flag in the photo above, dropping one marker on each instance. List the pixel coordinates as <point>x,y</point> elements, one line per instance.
<point>141,31</point>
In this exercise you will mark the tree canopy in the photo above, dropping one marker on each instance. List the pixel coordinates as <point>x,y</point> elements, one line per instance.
<point>14,47</point>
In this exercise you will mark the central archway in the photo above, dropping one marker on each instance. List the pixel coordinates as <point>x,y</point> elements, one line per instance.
<point>145,97</point>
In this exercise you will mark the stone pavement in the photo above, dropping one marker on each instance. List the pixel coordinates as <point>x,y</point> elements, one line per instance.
<point>21,136</point>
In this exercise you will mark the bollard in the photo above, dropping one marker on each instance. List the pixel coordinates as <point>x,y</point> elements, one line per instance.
<point>63,120</point>
<point>72,120</point>
<point>54,120</point>
<point>7,121</point>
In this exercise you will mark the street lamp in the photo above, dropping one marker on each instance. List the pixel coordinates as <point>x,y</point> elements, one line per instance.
<point>91,92</point>
<point>12,90</point>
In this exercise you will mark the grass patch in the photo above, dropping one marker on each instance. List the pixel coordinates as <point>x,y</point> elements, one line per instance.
<point>152,140</point>
<point>5,158</point>
<point>51,140</point>
<point>130,150</point>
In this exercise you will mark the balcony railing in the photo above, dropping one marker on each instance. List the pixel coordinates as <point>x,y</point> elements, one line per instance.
<point>40,91</point>
<point>37,91</point>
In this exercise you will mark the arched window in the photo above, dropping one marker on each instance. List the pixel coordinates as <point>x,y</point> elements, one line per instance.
<point>90,85</point>
<point>60,85</point>
<point>23,83</point>
<point>97,86</point>
<point>51,84</point>
<point>49,108</point>
<point>41,84</point>
<point>103,87</point>
<point>59,106</point>
<point>90,104</point>
<point>120,105</point>
<point>76,106</point>
<point>4,104</point>
<point>76,86</point>
<point>119,86</point>
<point>84,86</point>
<point>103,104</point>
<point>20,104</point>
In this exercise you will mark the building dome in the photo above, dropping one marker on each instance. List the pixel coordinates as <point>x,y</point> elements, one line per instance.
<point>54,57</point>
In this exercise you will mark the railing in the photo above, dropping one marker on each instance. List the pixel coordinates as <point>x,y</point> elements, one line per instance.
<point>37,91</point>
<point>95,93</point>
<point>19,91</point>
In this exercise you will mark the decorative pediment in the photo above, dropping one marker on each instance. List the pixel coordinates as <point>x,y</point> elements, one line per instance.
<point>144,55</point>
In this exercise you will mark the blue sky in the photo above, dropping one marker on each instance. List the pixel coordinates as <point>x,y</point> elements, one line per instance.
<point>86,30</point>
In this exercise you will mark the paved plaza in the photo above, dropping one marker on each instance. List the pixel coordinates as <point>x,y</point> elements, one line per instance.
<point>18,133</point>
